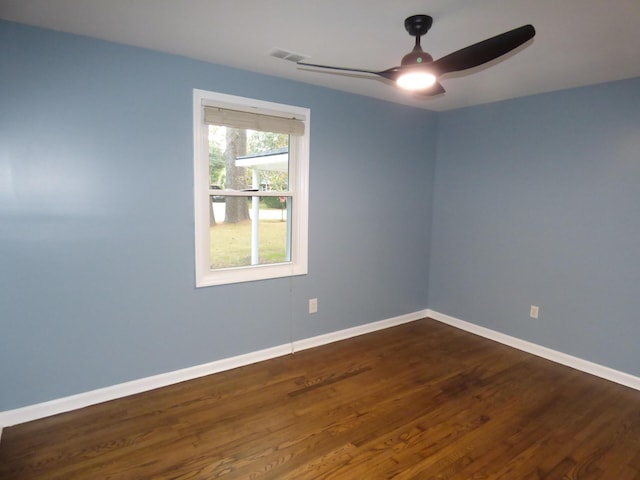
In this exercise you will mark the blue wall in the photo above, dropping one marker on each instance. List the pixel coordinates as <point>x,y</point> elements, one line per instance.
<point>96,217</point>
<point>537,201</point>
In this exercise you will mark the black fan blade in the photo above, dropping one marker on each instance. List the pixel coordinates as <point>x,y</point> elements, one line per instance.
<point>435,89</point>
<point>342,69</point>
<point>391,73</point>
<point>485,51</point>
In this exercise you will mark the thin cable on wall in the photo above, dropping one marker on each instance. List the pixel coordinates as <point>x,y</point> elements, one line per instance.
<point>291,335</point>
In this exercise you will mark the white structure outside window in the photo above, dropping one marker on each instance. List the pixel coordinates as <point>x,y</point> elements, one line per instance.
<point>251,177</point>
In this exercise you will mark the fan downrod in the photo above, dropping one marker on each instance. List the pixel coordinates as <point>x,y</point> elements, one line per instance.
<point>418,25</point>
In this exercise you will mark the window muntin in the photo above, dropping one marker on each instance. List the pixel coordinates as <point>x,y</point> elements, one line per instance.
<point>270,239</point>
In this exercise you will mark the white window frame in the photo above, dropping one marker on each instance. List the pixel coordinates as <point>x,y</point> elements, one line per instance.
<point>298,188</point>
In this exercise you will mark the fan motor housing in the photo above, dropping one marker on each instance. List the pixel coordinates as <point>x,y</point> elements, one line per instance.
<point>416,57</point>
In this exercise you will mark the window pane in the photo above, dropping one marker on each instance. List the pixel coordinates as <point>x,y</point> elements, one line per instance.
<point>242,159</point>
<point>236,240</point>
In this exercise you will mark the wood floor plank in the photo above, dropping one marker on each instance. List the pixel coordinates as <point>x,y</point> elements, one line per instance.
<point>417,401</point>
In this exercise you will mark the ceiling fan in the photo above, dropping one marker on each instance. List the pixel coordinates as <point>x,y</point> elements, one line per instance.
<point>418,71</point>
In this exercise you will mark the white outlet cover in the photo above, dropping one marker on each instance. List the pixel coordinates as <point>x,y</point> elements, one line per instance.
<point>313,305</point>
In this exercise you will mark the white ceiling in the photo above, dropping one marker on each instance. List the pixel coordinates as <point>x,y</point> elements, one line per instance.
<point>578,42</point>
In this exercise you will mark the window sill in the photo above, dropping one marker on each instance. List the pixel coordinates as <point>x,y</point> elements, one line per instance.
<point>249,274</point>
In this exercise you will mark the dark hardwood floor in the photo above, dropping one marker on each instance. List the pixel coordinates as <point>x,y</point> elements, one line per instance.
<point>422,400</point>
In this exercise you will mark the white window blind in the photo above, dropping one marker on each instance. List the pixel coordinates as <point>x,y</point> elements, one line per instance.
<point>252,121</point>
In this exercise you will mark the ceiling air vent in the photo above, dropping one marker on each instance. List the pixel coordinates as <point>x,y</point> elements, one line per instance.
<point>286,55</point>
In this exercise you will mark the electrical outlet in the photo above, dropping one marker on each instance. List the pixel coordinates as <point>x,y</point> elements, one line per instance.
<point>533,313</point>
<point>313,305</point>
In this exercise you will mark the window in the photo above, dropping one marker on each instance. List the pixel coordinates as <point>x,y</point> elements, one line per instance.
<point>251,173</point>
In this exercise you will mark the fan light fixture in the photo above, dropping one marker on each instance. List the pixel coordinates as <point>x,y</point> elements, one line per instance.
<point>416,80</point>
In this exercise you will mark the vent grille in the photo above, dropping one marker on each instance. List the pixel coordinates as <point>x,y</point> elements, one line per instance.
<point>287,55</point>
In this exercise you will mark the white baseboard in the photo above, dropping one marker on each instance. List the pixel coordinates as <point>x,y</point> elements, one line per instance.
<point>555,356</point>
<point>359,330</point>
<point>81,400</point>
<point>74,402</point>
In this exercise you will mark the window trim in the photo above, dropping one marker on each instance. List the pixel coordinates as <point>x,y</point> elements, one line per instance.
<point>298,186</point>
